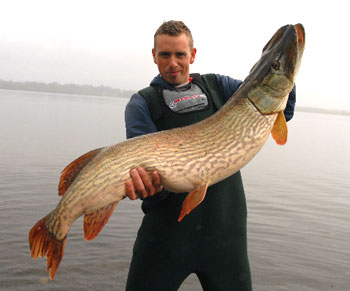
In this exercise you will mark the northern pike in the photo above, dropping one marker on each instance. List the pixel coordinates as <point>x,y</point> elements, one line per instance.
<point>208,151</point>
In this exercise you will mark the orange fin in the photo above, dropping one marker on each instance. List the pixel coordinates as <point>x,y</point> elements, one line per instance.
<point>192,200</point>
<point>95,221</point>
<point>72,170</point>
<point>280,130</point>
<point>42,242</point>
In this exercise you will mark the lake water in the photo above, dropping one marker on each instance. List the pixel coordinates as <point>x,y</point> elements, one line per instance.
<point>298,198</point>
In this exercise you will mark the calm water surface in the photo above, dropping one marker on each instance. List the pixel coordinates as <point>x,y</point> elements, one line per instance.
<point>298,198</point>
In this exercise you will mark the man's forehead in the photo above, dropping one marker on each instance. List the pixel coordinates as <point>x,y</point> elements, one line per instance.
<point>172,42</point>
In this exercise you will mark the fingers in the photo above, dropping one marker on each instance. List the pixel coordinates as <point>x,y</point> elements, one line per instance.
<point>141,184</point>
<point>156,182</point>
<point>144,186</point>
<point>130,190</point>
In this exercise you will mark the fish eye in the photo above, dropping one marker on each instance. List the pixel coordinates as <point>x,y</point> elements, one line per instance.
<point>275,65</point>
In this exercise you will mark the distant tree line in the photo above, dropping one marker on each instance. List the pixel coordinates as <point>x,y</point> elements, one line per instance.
<point>65,88</point>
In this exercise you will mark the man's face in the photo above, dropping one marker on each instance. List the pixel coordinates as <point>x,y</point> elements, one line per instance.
<point>173,56</point>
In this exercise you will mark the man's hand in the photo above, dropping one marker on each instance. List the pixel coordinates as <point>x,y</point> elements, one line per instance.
<point>141,185</point>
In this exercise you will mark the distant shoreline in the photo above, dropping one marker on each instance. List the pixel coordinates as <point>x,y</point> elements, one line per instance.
<point>322,110</point>
<point>104,91</point>
<point>75,89</point>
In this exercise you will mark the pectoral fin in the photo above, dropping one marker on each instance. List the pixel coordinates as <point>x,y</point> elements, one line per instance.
<point>192,200</point>
<point>95,221</point>
<point>280,130</point>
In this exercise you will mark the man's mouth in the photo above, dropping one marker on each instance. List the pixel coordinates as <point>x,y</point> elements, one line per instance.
<point>173,74</point>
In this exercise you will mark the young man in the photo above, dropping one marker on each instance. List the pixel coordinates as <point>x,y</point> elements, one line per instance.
<point>212,241</point>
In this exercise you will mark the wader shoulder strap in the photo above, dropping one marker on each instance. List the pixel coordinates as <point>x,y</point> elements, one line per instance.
<point>214,90</point>
<point>153,96</point>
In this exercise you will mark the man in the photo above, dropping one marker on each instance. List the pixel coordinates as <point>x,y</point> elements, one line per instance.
<point>212,240</point>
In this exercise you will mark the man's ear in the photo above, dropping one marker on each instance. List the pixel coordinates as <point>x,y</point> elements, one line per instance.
<point>193,55</point>
<point>154,56</point>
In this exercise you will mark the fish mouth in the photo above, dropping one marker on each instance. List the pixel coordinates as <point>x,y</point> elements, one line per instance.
<point>299,29</point>
<point>299,48</point>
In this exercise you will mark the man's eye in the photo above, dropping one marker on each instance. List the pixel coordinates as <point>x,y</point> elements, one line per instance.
<point>180,55</point>
<point>164,55</point>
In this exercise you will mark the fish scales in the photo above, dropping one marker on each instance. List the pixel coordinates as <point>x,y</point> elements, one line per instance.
<point>209,155</point>
<point>208,149</point>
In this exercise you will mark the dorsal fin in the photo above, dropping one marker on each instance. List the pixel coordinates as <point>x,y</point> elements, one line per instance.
<point>72,170</point>
<point>280,130</point>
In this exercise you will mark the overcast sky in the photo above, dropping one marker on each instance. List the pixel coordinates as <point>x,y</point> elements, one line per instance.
<point>109,42</point>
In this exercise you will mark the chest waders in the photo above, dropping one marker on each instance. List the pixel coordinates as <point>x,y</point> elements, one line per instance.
<point>211,241</point>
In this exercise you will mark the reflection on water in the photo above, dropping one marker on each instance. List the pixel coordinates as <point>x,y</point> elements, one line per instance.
<point>298,202</point>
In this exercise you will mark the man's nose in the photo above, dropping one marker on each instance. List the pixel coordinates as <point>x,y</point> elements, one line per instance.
<point>173,61</point>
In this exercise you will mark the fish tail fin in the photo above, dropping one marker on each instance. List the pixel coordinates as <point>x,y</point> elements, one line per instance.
<point>42,242</point>
<point>95,221</point>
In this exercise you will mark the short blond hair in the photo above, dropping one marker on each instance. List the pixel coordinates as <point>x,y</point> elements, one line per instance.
<point>174,28</point>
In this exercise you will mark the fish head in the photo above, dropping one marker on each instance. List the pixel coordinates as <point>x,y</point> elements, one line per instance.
<point>272,77</point>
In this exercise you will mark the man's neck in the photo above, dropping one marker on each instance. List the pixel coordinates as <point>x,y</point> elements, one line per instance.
<point>177,86</point>
<point>182,85</point>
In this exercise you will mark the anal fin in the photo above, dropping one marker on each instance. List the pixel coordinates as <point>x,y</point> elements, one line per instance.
<point>192,200</point>
<point>95,221</point>
<point>280,130</point>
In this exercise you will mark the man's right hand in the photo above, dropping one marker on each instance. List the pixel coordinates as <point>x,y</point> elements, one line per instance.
<point>141,185</point>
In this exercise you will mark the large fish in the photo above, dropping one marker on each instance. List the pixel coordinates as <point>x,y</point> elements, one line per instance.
<point>208,151</point>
